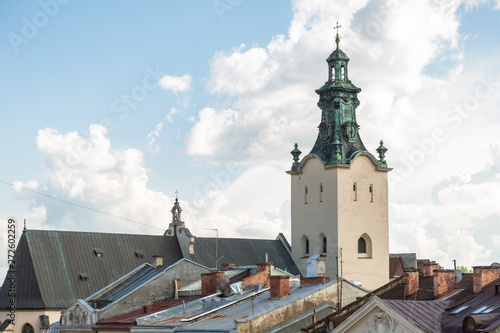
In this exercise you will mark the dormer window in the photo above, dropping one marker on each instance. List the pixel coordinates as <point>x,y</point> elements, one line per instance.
<point>84,277</point>
<point>139,254</point>
<point>98,252</point>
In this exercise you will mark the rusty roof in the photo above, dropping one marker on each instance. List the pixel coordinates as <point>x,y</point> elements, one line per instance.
<point>128,319</point>
<point>452,323</point>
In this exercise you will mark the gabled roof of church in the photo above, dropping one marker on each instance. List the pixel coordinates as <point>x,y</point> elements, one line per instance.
<point>54,268</point>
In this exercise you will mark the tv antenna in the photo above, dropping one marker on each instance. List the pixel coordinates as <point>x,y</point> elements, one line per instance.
<point>216,247</point>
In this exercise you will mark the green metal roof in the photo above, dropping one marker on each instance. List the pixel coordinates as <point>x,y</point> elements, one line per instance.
<point>243,252</point>
<point>50,264</point>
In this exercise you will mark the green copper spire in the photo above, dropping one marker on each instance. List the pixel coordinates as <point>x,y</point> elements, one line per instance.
<point>338,139</point>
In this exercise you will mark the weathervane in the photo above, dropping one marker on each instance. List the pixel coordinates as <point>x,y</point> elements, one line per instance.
<point>176,192</point>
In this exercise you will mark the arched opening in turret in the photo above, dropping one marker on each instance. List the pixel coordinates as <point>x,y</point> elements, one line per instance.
<point>304,246</point>
<point>332,73</point>
<point>342,73</point>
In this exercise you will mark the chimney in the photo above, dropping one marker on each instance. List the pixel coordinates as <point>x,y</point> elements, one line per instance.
<point>280,286</point>
<point>157,261</point>
<point>321,266</point>
<point>429,268</point>
<point>412,283</point>
<point>209,283</point>
<point>482,275</point>
<point>227,266</point>
<point>262,266</point>
<point>444,281</point>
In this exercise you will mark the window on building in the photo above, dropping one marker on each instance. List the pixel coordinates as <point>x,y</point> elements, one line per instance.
<point>364,246</point>
<point>304,246</point>
<point>371,192</point>
<point>332,73</point>
<point>44,322</point>
<point>320,244</point>
<point>320,192</point>
<point>84,277</point>
<point>342,73</point>
<point>306,192</point>
<point>139,254</point>
<point>98,252</point>
<point>361,245</point>
<point>354,192</point>
<point>27,328</point>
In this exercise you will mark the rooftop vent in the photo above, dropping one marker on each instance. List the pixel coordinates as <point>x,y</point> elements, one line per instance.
<point>98,252</point>
<point>139,254</point>
<point>84,277</point>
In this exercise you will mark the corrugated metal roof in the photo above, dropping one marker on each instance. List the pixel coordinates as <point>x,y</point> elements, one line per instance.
<point>128,285</point>
<point>243,252</point>
<point>49,264</point>
<point>425,314</point>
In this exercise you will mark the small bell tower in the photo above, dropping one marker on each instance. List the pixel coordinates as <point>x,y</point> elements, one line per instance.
<point>339,192</point>
<point>178,229</point>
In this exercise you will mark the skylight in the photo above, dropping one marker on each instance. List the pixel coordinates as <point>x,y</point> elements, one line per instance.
<point>460,309</point>
<point>486,309</point>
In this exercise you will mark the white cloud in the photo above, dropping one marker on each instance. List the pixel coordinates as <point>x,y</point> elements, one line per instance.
<point>176,83</point>
<point>153,146</point>
<point>408,57</point>
<point>87,172</point>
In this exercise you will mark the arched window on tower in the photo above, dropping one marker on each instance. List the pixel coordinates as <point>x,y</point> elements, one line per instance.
<point>332,73</point>
<point>364,246</point>
<point>304,246</point>
<point>361,245</point>
<point>321,244</point>
<point>342,73</point>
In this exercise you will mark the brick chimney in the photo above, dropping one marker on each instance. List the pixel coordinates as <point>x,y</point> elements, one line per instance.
<point>429,268</point>
<point>262,266</point>
<point>157,261</point>
<point>412,282</point>
<point>483,275</point>
<point>280,286</point>
<point>227,266</point>
<point>209,283</point>
<point>444,281</point>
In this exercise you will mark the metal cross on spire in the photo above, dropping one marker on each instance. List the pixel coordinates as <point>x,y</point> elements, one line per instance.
<point>337,37</point>
<point>337,27</point>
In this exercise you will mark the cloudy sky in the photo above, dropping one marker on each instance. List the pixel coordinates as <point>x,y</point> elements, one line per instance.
<point>110,107</point>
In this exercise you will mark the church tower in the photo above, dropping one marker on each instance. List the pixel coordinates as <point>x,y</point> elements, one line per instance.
<point>339,190</point>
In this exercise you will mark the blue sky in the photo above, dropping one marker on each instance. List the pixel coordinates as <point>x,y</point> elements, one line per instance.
<point>116,105</point>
